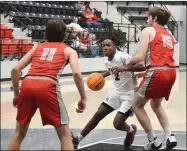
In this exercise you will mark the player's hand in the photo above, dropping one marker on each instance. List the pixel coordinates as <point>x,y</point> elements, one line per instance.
<point>116,70</point>
<point>81,106</point>
<point>15,101</point>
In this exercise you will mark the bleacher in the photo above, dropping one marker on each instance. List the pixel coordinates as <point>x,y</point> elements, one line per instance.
<point>36,14</point>
<point>33,15</point>
<point>12,48</point>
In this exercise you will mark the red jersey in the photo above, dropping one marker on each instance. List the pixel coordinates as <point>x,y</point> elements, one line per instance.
<point>84,40</point>
<point>161,49</point>
<point>48,60</point>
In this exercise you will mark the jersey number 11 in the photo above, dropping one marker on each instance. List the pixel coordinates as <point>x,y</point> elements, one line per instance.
<point>48,54</point>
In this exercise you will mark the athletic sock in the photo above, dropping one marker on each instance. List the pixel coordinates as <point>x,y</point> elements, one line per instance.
<point>167,132</point>
<point>151,136</point>
<point>80,137</point>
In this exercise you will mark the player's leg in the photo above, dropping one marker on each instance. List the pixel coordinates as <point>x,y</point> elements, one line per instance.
<point>166,80</point>
<point>65,137</point>
<point>138,108</point>
<point>170,140</point>
<point>120,124</point>
<point>53,111</point>
<point>153,85</point>
<point>101,113</point>
<point>161,115</point>
<point>119,121</point>
<point>103,110</point>
<point>124,112</point>
<point>25,111</point>
<point>19,135</point>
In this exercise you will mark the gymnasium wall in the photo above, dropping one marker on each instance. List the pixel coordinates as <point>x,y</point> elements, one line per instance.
<point>179,13</point>
<point>86,65</point>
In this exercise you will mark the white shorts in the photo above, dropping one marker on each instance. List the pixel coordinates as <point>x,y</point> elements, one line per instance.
<point>120,102</point>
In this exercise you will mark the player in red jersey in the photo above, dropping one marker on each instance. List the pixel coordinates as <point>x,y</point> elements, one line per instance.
<point>157,49</point>
<point>40,87</point>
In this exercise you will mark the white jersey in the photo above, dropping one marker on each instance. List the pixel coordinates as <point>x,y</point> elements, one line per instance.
<point>122,82</point>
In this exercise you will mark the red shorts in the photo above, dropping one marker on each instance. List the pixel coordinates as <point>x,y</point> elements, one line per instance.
<point>157,84</point>
<point>43,93</point>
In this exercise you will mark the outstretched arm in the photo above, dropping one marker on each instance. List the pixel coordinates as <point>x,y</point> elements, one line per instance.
<point>106,74</point>
<point>134,68</point>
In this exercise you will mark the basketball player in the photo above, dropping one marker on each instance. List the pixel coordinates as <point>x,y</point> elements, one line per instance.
<point>40,87</point>
<point>157,49</point>
<point>121,97</point>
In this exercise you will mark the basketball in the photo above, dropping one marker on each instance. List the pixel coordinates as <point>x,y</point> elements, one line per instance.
<point>95,81</point>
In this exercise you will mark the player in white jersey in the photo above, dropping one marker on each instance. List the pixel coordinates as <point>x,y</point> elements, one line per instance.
<point>121,96</point>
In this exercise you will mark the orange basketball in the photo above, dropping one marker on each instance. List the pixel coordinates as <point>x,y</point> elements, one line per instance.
<point>95,81</point>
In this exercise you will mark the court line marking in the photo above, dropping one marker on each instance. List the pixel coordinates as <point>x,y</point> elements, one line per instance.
<point>104,140</point>
<point>139,145</point>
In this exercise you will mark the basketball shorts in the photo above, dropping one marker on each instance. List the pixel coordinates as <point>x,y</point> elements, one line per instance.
<point>157,84</point>
<point>120,102</point>
<point>42,93</point>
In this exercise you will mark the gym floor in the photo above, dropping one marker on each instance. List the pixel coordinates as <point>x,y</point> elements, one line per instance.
<point>104,137</point>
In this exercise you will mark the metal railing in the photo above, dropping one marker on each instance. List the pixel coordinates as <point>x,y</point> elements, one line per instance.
<point>22,24</point>
<point>128,27</point>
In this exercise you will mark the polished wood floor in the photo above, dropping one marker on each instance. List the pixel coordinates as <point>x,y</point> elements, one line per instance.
<point>175,107</point>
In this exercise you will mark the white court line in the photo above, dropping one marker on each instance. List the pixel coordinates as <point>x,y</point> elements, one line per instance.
<point>138,145</point>
<point>119,138</point>
<point>104,140</point>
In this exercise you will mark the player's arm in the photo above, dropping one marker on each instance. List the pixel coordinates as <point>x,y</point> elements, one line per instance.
<point>15,73</point>
<point>72,56</point>
<point>139,74</point>
<point>105,74</point>
<point>144,44</point>
<point>133,68</point>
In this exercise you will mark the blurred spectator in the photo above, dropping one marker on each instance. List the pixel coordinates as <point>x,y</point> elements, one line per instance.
<point>80,6</point>
<point>75,26</point>
<point>84,38</point>
<point>94,48</point>
<point>72,39</point>
<point>95,18</point>
<point>91,19</point>
<point>80,47</point>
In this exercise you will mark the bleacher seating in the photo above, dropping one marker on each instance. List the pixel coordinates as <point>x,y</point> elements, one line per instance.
<point>14,48</point>
<point>11,47</point>
<point>6,32</point>
<point>36,14</point>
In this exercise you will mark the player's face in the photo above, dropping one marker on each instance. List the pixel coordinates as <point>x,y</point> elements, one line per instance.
<point>150,21</point>
<point>108,48</point>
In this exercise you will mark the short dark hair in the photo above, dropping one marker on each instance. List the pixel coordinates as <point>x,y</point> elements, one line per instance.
<point>117,37</point>
<point>55,30</point>
<point>163,16</point>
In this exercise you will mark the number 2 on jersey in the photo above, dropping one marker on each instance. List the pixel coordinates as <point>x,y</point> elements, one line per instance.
<point>117,77</point>
<point>48,54</point>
